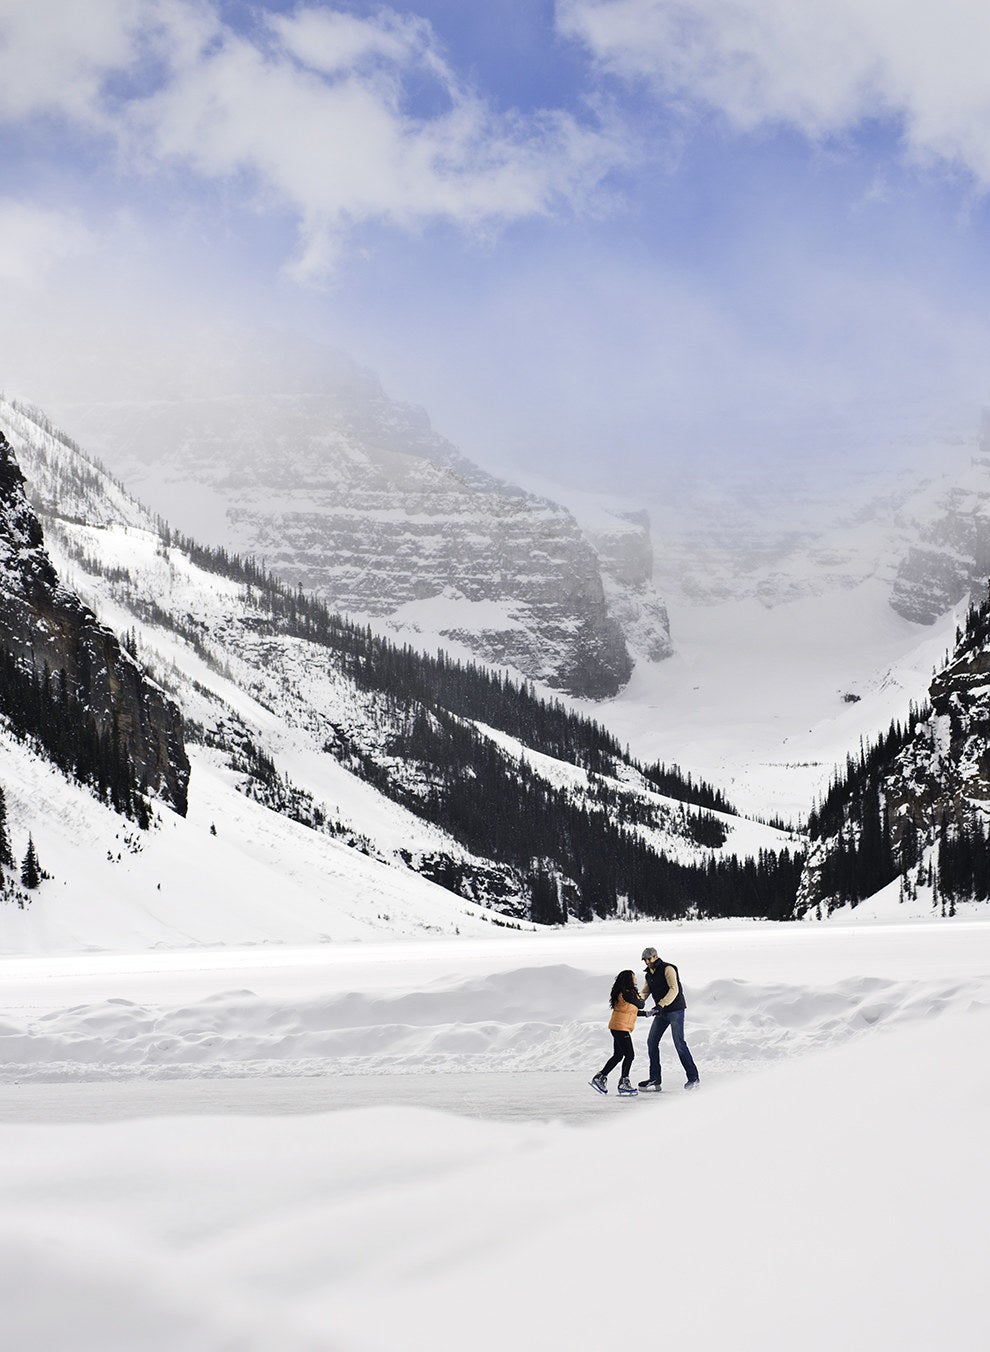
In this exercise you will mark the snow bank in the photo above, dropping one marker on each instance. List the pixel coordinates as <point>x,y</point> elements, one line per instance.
<point>538,1018</point>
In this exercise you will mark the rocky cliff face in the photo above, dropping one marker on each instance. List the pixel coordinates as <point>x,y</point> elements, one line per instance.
<point>949,544</point>
<point>943,774</point>
<point>622,544</point>
<point>42,623</point>
<point>911,808</point>
<point>357,499</point>
<point>373,532</point>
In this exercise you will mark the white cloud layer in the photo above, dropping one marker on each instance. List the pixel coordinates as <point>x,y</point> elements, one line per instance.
<point>821,66</point>
<point>34,239</point>
<point>310,112</point>
<point>55,55</point>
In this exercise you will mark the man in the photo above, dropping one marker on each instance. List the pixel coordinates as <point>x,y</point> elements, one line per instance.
<point>663,982</point>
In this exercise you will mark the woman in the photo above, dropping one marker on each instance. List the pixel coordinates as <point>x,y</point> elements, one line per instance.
<point>626,1008</point>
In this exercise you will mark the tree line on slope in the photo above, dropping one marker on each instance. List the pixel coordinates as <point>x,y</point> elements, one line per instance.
<point>863,855</point>
<point>599,862</point>
<point>467,689</point>
<point>594,862</point>
<point>868,849</point>
<point>962,871</point>
<point>42,708</point>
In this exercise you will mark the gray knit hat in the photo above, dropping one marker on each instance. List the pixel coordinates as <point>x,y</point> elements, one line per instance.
<point>648,953</point>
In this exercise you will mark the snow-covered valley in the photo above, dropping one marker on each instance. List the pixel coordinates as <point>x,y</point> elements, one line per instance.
<point>766,701</point>
<point>264,1085</point>
<point>325,767</point>
<point>489,492</point>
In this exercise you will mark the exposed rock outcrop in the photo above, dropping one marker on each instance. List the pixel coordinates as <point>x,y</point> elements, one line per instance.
<point>911,799</point>
<point>622,544</point>
<point>44,624</point>
<point>357,499</point>
<point>949,553</point>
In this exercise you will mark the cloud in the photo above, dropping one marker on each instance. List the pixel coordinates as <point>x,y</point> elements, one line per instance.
<point>342,122</point>
<point>821,66</point>
<point>55,57</point>
<point>322,120</point>
<point>335,43</point>
<point>34,239</point>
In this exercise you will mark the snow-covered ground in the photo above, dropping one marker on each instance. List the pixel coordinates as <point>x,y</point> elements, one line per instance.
<point>763,701</point>
<point>258,1133</point>
<point>826,1187</point>
<point>231,872</point>
<point>766,701</point>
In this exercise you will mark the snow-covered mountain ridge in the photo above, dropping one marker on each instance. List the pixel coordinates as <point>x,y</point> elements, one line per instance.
<point>356,498</point>
<point>135,744</point>
<point>948,551</point>
<point>922,530</point>
<point>319,722</point>
<point>911,815</point>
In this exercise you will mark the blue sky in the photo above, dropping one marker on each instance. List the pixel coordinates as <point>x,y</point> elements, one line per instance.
<point>602,239</point>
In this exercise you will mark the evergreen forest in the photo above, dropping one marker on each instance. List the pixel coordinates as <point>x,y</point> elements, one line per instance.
<point>571,858</point>
<point>42,708</point>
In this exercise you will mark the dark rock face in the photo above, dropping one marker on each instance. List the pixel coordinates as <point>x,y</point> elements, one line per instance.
<point>938,781</point>
<point>937,574</point>
<point>946,769</point>
<point>43,623</point>
<point>510,576</point>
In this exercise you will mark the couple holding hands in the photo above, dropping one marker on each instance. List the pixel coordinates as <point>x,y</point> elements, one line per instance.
<point>661,981</point>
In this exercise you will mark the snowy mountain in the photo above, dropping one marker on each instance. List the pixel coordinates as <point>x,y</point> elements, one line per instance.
<point>79,674</point>
<point>388,767</point>
<point>922,530</point>
<point>791,541</point>
<point>789,650</point>
<point>910,817</point>
<point>948,541</point>
<point>356,498</point>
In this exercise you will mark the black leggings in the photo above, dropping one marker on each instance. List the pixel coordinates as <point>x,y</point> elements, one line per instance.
<point>621,1051</point>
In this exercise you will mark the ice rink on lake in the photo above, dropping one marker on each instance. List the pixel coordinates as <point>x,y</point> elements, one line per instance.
<point>357,1149</point>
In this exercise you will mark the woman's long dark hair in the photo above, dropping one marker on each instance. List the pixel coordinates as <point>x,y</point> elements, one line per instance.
<point>624,985</point>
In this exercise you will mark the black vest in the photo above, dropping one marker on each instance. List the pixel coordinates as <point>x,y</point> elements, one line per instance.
<point>657,983</point>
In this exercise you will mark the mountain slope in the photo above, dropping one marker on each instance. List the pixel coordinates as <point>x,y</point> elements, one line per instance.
<point>391,753</point>
<point>948,553</point>
<point>63,671</point>
<point>910,818</point>
<point>356,498</point>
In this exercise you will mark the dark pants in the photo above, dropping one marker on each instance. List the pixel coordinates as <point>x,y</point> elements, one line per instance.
<point>674,1020</point>
<point>622,1051</point>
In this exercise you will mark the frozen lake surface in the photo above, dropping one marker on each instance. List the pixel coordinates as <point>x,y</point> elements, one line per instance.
<point>358,1148</point>
<point>523,1096</point>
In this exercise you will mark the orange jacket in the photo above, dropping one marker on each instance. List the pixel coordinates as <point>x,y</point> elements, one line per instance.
<point>624,1016</point>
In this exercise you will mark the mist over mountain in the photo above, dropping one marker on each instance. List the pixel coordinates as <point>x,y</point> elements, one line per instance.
<point>357,499</point>
<point>915,526</point>
<point>786,590</point>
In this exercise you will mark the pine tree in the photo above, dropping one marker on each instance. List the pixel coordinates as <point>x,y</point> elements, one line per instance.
<point>545,907</point>
<point>30,868</point>
<point>6,853</point>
